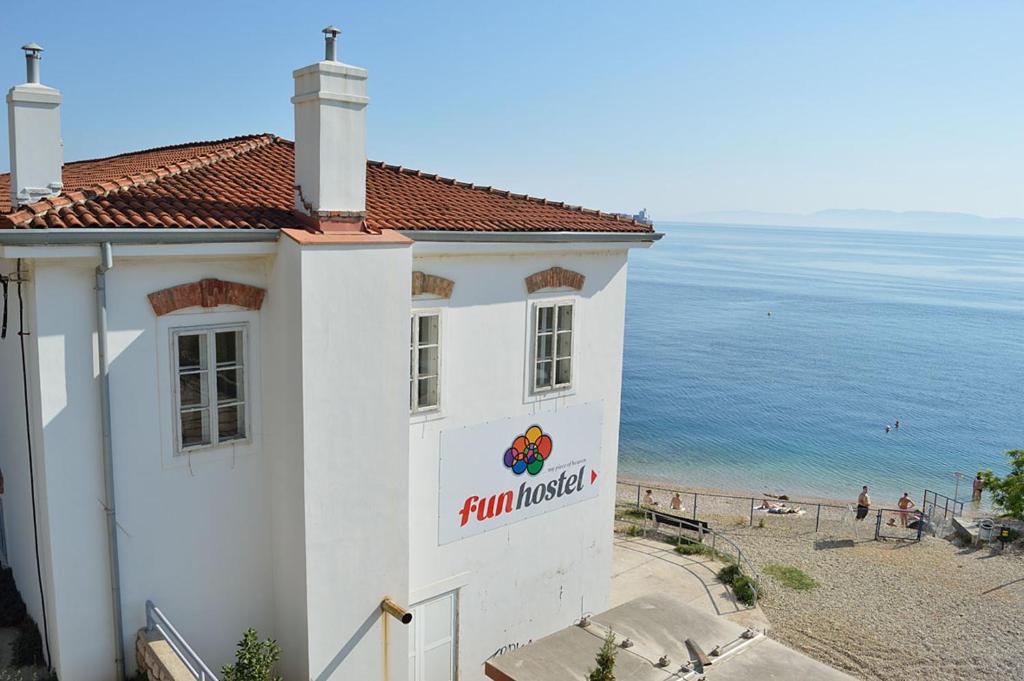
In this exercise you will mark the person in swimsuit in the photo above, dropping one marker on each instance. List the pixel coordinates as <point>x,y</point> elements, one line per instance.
<point>979,485</point>
<point>905,504</point>
<point>863,504</point>
<point>676,503</point>
<point>649,499</point>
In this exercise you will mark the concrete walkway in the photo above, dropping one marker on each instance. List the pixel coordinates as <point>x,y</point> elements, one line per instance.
<point>641,567</point>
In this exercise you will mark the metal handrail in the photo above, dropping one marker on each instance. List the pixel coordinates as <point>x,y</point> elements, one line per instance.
<point>715,538</point>
<point>156,621</point>
<point>957,506</point>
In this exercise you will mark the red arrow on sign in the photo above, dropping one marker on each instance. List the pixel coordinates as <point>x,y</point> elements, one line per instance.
<point>593,476</point>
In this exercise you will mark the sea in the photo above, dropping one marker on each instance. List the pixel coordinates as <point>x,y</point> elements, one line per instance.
<point>771,359</point>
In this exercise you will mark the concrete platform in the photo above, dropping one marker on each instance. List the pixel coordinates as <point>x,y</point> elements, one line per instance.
<point>658,625</point>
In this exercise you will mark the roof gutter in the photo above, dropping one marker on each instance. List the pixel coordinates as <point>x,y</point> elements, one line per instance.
<point>530,237</point>
<point>132,235</point>
<point>141,235</point>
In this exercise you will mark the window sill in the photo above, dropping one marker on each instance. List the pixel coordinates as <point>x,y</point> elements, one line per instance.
<point>224,451</point>
<point>426,416</point>
<point>553,394</point>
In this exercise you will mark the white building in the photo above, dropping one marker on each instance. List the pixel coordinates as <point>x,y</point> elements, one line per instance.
<point>280,452</point>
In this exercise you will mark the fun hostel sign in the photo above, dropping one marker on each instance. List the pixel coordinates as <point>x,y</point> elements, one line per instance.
<point>500,472</point>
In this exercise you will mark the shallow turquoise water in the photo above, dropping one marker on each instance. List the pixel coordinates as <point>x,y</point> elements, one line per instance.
<point>866,328</point>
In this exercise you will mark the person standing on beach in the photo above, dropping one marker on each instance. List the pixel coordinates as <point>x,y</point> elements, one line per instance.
<point>905,504</point>
<point>979,485</point>
<point>677,502</point>
<point>863,504</point>
<point>649,499</point>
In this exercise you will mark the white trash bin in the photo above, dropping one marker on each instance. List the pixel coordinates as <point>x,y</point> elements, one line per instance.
<point>985,530</point>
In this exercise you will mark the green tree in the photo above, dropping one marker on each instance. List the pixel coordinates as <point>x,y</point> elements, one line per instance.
<point>605,670</point>
<point>254,660</point>
<point>1008,492</point>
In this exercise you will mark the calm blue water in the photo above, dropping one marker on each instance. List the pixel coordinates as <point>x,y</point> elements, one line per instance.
<point>866,328</point>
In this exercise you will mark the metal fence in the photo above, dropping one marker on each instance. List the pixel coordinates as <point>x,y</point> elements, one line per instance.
<point>156,621</point>
<point>895,523</point>
<point>727,509</point>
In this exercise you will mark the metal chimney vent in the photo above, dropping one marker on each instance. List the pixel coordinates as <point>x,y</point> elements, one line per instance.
<point>330,49</point>
<point>33,53</point>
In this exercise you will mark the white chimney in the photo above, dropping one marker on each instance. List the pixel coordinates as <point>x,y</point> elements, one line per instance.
<point>33,125</point>
<point>330,141</point>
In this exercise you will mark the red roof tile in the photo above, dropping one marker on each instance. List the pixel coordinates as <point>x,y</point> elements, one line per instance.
<point>247,183</point>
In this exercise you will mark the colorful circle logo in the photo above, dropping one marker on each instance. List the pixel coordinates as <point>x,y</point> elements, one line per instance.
<point>529,451</point>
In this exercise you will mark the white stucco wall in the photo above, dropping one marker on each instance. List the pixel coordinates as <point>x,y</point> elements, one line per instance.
<point>14,459</point>
<point>528,579</point>
<point>285,488</point>
<point>333,503</point>
<point>355,324</point>
<point>194,530</point>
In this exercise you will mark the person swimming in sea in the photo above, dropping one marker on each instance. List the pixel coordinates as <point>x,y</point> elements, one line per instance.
<point>888,428</point>
<point>897,424</point>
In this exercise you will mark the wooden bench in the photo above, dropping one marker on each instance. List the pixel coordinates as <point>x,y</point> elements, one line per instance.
<point>698,526</point>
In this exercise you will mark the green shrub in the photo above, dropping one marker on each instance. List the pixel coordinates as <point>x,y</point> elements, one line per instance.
<point>729,573</point>
<point>744,590</point>
<point>254,660</point>
<point>632,512</point>
<point>794,578</point>
<point>27,646</point>
<point>693,549</point>
<point>605,670</point>
<point>1008,492</point>
<point>634,531</point>
<point>760,523</point>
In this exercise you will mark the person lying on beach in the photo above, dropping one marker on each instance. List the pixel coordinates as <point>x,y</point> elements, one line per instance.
<point>767,505</point>
<point>677,503</point>
<point>649,499</point>
<point>782,508</point>
<point>918,522</point>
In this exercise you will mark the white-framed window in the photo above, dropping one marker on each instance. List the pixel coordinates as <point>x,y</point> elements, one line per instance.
<point>425,361</point>
<point>552,346</point>
<point>210,385</point>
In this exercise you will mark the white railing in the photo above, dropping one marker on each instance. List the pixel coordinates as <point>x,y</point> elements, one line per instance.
<point>157,622</point>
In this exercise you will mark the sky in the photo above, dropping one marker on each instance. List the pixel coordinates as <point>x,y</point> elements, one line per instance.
<point>678,106</point>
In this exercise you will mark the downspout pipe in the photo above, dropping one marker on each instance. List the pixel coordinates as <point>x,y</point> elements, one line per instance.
<point>110,505</point>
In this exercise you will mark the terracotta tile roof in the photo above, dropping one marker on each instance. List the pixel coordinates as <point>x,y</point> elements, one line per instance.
<point>247,183</point>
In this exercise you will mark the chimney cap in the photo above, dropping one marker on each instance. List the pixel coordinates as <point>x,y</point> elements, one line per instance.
<point>332,31</point>
<point>32,47</point>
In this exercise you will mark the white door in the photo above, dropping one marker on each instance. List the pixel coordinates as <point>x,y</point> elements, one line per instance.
<point>433,639</point>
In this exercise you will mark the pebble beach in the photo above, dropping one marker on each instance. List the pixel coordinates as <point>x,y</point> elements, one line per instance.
<point>928,610</point>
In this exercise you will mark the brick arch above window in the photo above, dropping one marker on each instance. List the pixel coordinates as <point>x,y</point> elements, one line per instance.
<point>206,293</point>
<point>431,284</point>
<point>554,277</point>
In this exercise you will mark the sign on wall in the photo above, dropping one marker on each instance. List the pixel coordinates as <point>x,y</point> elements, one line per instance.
<point>500,472</point>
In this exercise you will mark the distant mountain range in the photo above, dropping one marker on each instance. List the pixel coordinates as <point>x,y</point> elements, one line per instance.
<point>909,221</point>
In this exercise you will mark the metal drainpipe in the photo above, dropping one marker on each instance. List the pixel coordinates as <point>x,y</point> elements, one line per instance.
<point>106,263</point>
